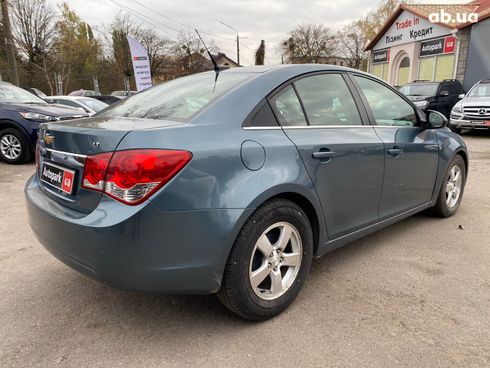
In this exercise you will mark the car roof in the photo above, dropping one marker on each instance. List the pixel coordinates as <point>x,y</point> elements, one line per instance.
<point>288,67</point>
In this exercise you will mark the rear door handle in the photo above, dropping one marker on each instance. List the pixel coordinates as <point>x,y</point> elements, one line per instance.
<point>323,154</point>
<point>395,151</point>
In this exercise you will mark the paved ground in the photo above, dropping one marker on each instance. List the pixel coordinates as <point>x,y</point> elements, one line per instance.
<point>416,294</point>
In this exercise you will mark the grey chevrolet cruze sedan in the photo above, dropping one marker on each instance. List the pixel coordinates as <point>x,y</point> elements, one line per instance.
<point>232,183</point>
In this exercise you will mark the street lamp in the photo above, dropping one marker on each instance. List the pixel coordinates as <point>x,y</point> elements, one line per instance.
<point>237,41</point>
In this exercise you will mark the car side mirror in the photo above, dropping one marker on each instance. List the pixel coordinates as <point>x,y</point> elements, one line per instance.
<point>461,96</point>
<point>444,94</point>
<point>436,120</point>
<point>49,100</point>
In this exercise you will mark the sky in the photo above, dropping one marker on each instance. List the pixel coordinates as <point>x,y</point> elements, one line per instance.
<point>255,20</point>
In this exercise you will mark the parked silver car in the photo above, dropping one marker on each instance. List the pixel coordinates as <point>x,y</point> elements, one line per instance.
<point>473,110</point>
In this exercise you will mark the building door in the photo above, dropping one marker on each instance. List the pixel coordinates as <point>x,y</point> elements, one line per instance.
<point>403,71</point>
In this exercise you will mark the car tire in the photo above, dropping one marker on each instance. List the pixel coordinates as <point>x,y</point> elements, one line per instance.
<point>283,270</point>
<point>456,130</point>
<point>452,188</point>
<point>14,148</point>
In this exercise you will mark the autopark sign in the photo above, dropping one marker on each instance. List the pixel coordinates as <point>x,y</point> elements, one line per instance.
<point>407,28</point>
<point>444,45</point>
<point>381,56</point>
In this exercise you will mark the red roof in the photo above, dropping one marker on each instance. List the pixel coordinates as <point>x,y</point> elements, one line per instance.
<point>481,7</point>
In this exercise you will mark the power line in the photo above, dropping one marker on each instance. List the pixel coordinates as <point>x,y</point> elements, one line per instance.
<point>144,18</point>
<point>177,22</point>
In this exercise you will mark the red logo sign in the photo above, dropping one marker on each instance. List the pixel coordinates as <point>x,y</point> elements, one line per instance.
<point>449,44</point>
<point>67,183</point>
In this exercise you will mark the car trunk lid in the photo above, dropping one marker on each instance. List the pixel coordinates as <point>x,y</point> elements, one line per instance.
<point>64,146</point>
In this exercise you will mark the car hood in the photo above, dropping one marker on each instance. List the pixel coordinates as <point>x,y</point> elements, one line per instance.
<point>52,110</point>
<point>476,101</point>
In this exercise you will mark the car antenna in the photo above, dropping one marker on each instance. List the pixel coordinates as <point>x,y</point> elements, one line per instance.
<point>216,67</point>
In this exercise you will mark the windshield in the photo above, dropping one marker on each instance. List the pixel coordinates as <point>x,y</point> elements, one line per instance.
<point>179,99</point>
<point>419,89</point>
<point>480,90</point>
<point>94,104</point>
<point>13,94</point>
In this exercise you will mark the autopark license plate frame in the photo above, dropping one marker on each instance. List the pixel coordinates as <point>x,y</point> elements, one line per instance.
<point>58,177</point>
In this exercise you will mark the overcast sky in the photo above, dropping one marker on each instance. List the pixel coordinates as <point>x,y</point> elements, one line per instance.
<point>270,20</point>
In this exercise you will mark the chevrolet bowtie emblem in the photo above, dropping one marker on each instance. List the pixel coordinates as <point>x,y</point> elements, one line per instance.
<point>48,138</point>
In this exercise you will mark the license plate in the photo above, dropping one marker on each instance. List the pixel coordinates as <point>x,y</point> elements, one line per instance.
<point>478,122</point>
<point>58,177</point>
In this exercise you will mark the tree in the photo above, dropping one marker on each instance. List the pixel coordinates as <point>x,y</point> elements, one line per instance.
<point>260,54</point>
<point>120,29</point>
<point>157,47</point>
<point>307,43</point>
<point>351,42</point>
<point>77,50</point>
<point>33,27</point>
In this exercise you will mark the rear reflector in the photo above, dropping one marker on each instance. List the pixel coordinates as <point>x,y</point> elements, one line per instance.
<point>132,176</point>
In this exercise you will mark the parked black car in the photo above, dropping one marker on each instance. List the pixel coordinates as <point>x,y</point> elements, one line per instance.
<point>21,112</point>
<point>439,96</point>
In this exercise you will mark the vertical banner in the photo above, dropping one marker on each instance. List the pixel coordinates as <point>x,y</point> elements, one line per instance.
<point>141,64</point>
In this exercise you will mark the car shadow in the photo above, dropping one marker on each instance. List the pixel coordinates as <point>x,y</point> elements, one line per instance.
<point>112,309</point>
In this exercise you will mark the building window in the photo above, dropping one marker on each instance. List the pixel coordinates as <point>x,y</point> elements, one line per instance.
<point>444,67</point>
<point>404,71</point>
<point>381,71</point>
<point>426,68</point>
<point>437,68</point>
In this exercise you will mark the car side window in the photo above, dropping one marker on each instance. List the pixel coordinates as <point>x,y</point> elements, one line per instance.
<point>389,109</point>
<point>327,100</point>
<point>263,117</point>
<point>289,108</point>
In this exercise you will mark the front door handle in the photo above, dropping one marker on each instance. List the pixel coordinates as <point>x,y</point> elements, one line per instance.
<point>395,151</point>
<point>323,155</point>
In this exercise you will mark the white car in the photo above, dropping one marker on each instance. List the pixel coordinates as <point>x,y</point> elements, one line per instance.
<point>87,104</point>
<point>473,110</point>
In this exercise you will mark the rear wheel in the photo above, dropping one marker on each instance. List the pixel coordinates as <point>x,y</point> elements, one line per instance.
<point>269,261</point>
<point>14,148</point>
<point>452,188</point>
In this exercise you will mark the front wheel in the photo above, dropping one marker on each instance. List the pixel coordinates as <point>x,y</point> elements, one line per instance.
<point>14,148</point>
<point>269,261</point>
<point>452,188</point>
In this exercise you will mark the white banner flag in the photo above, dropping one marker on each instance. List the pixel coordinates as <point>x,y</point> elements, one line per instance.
<point>141,64</point>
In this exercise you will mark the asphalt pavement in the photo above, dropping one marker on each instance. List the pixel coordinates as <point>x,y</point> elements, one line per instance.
<point>416,294</point>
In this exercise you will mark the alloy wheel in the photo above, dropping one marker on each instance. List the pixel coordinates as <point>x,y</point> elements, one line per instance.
<point>276,260</point>
<point>10,146</point>
<point>454,185</point>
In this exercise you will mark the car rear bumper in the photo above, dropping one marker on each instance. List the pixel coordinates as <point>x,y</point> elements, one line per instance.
<point>137,248</point>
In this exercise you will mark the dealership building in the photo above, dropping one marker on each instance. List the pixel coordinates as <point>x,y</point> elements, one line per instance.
<point>433,42</point>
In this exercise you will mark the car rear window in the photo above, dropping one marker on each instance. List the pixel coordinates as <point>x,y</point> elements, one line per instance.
<point>179,99</point>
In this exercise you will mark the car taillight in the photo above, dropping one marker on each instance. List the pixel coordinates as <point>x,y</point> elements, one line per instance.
<point>131,176</point>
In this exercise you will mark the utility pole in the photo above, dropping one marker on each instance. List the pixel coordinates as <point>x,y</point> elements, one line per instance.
<point>238,49</point>
<point>237,41</point>
<point>9,43</point>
